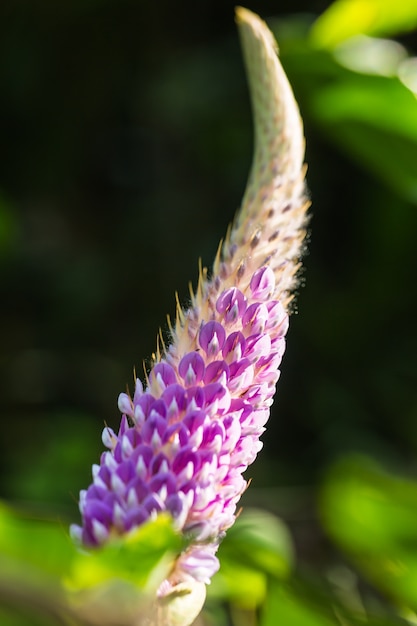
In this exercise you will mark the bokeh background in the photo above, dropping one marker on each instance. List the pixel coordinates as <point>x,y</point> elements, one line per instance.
<point>126,140</point>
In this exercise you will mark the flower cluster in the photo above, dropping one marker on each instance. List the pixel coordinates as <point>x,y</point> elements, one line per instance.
<point>185,440</point>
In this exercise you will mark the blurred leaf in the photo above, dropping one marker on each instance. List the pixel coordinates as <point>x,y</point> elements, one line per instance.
<point>306,65</point>
<point>346,18</point>
<point>240,585</point>
<point>371,55</point>
<point>355,96</point>
<point>407,73</point>
<point>376,152</point>
<point>110,582</point>
<point>285,607</point>
<point>376,121</point>
<point>373,517</point>
<point>257,546</point>
<point>8,619</point>
<point>40,543</point>
<point>28,596</point>
<point>378,101</point>
<point>139,557</point>
<point>299,603</point>
<point>261,540</point>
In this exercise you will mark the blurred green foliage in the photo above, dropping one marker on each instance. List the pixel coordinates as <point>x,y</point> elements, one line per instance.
<point>126,141</point>
<point>268,551</point>
<point>44,575</point>
<point>372,515</point>
<point>347,18</point>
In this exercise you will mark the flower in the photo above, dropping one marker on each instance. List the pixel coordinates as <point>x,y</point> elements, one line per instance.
<point>186,438</point>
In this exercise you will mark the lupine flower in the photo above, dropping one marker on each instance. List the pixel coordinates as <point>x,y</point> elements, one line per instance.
<point>186,438</point>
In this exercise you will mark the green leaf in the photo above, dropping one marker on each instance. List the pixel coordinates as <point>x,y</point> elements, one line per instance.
<point>372,55</point>
<point>238,584</point>
<point>372,516</point>
<point>261,540</point>
<point>283,606</point>
<point>346,18</point>
<point>382,102</point>
<point>301,603</point>
<point>143,557</point>
<point>39,543</point>
<point>256,547</point>
<point>43,573</point>
<point>375,120</point>
<point>369,113</point>
<point>29,596</point>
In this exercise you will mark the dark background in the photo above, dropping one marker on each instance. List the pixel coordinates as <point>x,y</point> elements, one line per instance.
<point>126,140</point>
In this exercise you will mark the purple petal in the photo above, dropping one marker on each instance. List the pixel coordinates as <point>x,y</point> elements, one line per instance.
<point>174,400</point>
<point>212,337</point>
<point>144,406</point>
<point>162,375</point>
<point>200,563</point>
<point>241,375</point>
<point>232,304</point>
<point>217,371</point>
<point>262,283</point>
<point>195,398</point>
<point>255,319</point>
<point>191,368</point>
<point>136,517</point>
<point>277,317</point>
<point>234,347</point>
<point>257,346</point>
<point>217,398</point>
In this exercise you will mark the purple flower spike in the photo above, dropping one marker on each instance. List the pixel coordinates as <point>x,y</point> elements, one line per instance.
<point>187,437</point>
<point>194,430</point>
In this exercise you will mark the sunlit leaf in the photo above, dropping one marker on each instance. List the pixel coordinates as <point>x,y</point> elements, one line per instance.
<point>379,101</point>
<point>360,96</point>
<point>132,558</point>
<point>407,73</point>
<point>36,556</point>
<point>346,18</point>
<point>373,516</point>
<point>371,55</point>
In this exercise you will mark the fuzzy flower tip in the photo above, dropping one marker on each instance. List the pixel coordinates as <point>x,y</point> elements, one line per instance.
<point>186,438</point>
